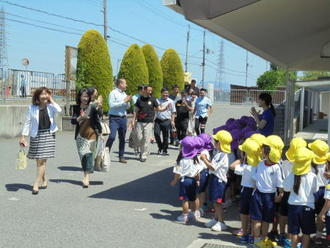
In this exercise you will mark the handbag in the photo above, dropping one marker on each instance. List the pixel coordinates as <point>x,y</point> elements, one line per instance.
<point>102,156</point>
<point>105,128</point>
<point>21,161</point>
<point>86,131</point>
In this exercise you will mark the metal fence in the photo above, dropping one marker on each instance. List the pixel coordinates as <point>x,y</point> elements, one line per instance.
<point>20,84</point>
<point>236,96</point>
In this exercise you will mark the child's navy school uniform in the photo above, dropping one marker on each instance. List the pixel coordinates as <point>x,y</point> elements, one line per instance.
<point>268,178</point>
<point>301,214</point>
<point>321,183</point>
<point>286,167</point>
<point>188,186</point>
<point>248,184</point>
<point>218,177</point>
<point>203,173</point>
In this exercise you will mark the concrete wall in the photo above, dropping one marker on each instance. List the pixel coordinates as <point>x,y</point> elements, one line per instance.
<point>12,118</point>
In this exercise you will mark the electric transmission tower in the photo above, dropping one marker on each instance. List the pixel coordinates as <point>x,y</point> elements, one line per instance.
<point>3,43</point>
<point>220,74</point>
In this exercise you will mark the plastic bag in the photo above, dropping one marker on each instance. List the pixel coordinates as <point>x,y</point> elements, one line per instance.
<point>102,156</point>
<point>21,161</point>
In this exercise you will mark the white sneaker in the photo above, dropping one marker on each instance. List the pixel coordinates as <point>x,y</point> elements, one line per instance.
<point>217,227</point>
<point>211,223</point>
<point>183,218</point>
<point>197,214</point>
<point>223,226</point>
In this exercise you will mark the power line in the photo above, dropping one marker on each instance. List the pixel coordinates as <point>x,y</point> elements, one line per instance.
<point>44,27</point>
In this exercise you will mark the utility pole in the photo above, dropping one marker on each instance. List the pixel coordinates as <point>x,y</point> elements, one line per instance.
<point>187,46</point>
<point>246,67</point>
<point>3,55</point>
<point>203,63</point>
<point>105,16</point>
<point>221,64</point>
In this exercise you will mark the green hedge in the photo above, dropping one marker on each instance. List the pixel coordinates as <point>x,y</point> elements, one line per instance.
<point>154,69</point>
<point>172,69</point>
<point>133,69</point>
<point>94,65</point>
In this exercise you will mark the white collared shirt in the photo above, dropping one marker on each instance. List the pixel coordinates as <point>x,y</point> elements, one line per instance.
<point>220,164</point>
<point>245,171</point>
<point>268,178</point>
<point>186,168</point>
<point>31,124</point>
<point>167,114</point>
<point>308,186</point>
<point>202,165</point>
<point>321,180</point>
<point>117,104</point>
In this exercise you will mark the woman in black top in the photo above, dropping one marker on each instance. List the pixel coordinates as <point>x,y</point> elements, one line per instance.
<point>86,117</point>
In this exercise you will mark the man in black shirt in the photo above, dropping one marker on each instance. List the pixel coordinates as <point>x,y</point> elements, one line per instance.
<point>144,114</point>
<point>194,87</point>
<point>182,115</point>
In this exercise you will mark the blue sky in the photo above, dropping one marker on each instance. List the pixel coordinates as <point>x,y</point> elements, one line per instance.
<point>147,20</point>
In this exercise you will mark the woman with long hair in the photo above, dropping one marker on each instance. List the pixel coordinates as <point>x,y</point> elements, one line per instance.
<point>265,120</point>
<point>87,118</point>
<point>41,127</point>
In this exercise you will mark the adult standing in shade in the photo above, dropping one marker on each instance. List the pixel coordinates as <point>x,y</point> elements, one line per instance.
<point>203,108</point>
<point>175,96</point>
<point>265,120</point>
<point>133,136</point>
<point>41,127</point>
<point>183,108</point>
<point>118,103</point>
<point>164,121</point>
<point>194,87</point>
<point>144,114</point>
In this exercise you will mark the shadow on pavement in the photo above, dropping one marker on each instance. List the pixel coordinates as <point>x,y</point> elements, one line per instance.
<point>168,215</point>
<point>154,188</point>
<point>223,236</point>
<point>69,168</point>
<point>17,186</point>
<point>75,182</point>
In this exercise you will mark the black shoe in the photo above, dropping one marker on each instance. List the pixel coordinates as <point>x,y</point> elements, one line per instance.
<point>142,160</point>
<point>35,192</point>
<point>85,186</point>
<point>165,153</point>
<point>159,152</point>
<point>122,160</point>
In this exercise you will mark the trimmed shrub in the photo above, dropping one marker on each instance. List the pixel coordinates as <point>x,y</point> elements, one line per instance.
<point>133,69</point>
<point>172,69</point>
<point>154,69</point>
<point>94,65</point>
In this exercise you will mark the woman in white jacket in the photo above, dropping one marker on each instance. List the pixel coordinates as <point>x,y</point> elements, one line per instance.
<point>41,127</point>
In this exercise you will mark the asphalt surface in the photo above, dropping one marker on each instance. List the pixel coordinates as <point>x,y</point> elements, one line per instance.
<point>130,206</point>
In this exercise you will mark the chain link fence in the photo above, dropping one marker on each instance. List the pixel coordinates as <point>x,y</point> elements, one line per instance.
<point>21,84</point>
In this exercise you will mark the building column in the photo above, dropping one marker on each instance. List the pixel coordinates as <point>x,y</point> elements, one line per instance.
<point>302,104</point>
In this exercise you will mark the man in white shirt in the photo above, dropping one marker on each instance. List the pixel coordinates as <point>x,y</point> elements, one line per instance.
<point>118,103</point>
<point>164,121</point>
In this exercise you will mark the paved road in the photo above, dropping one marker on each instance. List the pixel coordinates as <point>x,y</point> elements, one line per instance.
<point>131,206</point>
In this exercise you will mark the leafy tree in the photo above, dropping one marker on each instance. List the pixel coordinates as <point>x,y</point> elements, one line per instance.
<point>154,69</point>
<point>172,69</point>
<point>94,65</point>
<point>313,75</point>
<point>134,69</point>
<point>269,80</point>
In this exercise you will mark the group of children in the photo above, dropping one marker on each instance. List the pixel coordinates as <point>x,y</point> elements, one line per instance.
<point>293,192</point>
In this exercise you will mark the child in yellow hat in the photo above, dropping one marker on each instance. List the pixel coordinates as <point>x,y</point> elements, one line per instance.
<point>249,158</point>
<point>286,166</point>
<point>325,212</point>
<point>320,150</point>
<point>218,168</point>
<point>302,184</point>
<point>268,177</point>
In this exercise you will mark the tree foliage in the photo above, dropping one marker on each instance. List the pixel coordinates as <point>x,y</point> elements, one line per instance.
<point>133,69</point>
<point>313,75</point>
<point>172,69</point>
<point>94,65</point>
<point>269,80</point>
<point>154,69</point>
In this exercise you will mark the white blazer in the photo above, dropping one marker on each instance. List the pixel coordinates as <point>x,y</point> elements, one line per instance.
<point>31,124</point>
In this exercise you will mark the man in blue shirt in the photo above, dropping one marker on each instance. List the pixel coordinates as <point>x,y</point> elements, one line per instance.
<point>203,108</point>
<point>118,103</point>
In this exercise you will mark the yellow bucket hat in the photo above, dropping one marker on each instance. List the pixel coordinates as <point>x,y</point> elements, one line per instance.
<point>294,145</point>
<point>275,155</point>
<point>260,139</point>
<point>328,156</point>
<point>302,161</point>
<point>225,139</point>
<point>274,141</point>
<point>251,148</point>
<point>320,149</point>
